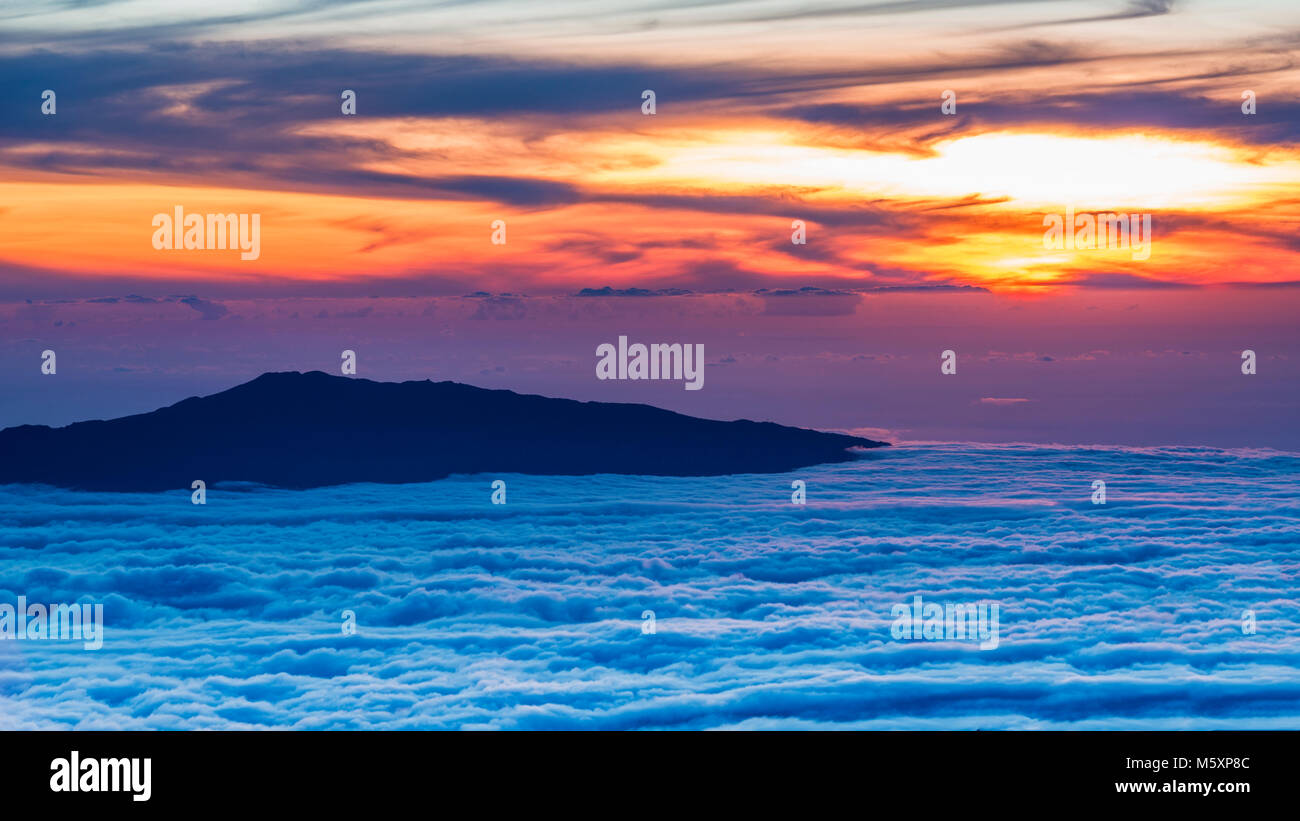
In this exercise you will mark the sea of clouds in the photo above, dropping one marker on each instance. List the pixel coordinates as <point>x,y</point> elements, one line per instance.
<point>767,614</point>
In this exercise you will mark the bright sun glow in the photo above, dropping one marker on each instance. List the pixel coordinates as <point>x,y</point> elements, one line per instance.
<point>1033,170</point>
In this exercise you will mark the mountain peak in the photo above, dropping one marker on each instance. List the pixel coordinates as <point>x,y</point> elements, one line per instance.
<point>298,430</point>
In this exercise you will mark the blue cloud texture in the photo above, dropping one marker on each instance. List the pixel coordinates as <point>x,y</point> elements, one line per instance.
<point>470,615</point>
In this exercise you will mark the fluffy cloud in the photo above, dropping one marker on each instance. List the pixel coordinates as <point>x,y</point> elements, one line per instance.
<point>768,614</point>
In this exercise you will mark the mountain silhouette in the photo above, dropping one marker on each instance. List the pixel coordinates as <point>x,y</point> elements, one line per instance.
<point>300,430</point>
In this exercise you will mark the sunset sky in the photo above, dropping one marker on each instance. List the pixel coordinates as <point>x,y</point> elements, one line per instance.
<point>924,230</point>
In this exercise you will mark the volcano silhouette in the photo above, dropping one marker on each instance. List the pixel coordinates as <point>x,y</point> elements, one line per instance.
<point>300,430</point>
